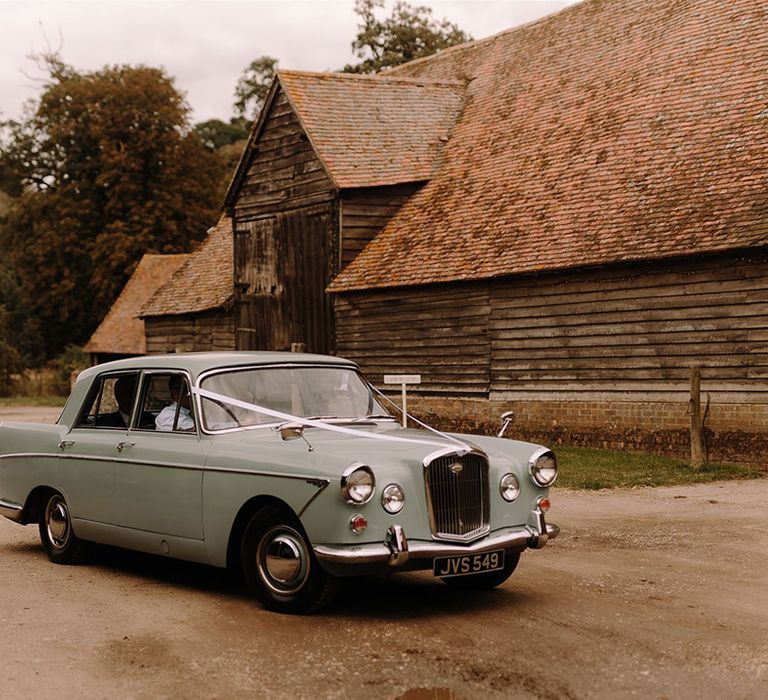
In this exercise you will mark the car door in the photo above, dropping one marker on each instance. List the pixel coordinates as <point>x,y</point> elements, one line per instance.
<point>159,473</point>
<point>87,452</point>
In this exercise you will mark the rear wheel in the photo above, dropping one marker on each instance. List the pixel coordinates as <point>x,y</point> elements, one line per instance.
<point>279,566</point>
<point>56,533</point>
<point>488,580</point>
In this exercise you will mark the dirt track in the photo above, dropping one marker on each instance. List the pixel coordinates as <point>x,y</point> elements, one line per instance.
<point>647,593</point>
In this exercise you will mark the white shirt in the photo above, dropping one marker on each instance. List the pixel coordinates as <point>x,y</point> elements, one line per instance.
<point>164,420</point>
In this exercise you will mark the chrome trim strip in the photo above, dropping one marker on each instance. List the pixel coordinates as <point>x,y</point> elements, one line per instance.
<point>507,538</point>
<point>314,480</point>
<point>89,458</point>
<point>321,486</point>
<point>24,455</point>
<point>452,450</point>
<point>11,510</point>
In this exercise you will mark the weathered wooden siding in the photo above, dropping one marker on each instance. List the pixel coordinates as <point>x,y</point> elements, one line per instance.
<point>190,333</point>
<point>284,172</point>
<point>439,332</point>
<point>286,241</point>
<point>365,212</point>
<point>282,266</point>
<point>632,330</point>
<point>629,332</point>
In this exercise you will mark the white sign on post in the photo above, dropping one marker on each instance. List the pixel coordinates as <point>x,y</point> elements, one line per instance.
<point>404,380</point>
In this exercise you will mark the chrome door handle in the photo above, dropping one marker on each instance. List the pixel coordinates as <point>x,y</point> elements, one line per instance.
<point>66,443</point>
<point>122,445</point>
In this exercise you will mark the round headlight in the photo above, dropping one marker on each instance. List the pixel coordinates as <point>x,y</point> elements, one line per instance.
<point>358,484</point>
<point>543,468</point>
<point>392,499</point>
<point>509,487</point>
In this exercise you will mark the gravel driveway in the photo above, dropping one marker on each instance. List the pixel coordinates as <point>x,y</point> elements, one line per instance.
<point>653,592</point>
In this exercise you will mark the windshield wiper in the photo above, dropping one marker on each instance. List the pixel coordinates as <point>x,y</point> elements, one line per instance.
<point>373,416</point>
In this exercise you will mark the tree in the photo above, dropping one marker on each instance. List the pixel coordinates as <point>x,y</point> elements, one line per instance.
<point>253,86</point>
<point>10,359</point>
<point>18,330</point>
<point>408,33</point>
<point>216,134</point>
<point>108,170</point>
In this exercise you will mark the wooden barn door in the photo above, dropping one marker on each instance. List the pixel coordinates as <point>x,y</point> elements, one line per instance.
<point>282,266</point>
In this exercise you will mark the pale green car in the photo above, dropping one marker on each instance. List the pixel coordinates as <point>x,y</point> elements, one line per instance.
<point>285,466</point>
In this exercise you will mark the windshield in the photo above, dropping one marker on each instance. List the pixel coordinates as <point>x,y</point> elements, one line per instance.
<point>307,392</point>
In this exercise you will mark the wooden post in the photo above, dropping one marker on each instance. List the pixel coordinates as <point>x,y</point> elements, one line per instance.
<point>697,429</point>
<point>403,380</point>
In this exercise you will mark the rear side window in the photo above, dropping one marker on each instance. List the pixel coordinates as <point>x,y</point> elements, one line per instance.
<point>110,402</point>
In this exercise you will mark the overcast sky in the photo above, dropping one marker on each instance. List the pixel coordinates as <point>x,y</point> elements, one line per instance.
<point>206,44</point>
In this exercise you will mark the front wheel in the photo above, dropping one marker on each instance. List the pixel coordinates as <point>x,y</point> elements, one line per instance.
<point>56,533</point>
<point>279,566</point>
<point>488,580</point>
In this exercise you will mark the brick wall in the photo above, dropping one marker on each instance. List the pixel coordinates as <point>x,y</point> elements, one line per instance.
<point>735,432</point>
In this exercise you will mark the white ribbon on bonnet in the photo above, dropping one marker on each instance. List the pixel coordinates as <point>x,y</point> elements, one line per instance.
<point>322,425</point>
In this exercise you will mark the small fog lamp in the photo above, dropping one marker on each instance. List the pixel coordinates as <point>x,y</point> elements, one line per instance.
<point>509,487</point>
<point>357,524</point>
<point>392,499</point>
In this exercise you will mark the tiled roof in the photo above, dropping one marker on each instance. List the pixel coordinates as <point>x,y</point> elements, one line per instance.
<point>611,131</point>
<point>370,130</point>
<point>203,282</point>
<point>121,331</point>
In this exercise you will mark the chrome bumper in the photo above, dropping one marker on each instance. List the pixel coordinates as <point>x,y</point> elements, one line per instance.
<point>397,553</point>
<point>10,510</point>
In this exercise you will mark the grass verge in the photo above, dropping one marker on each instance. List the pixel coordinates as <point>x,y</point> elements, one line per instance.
<point>584,468</point>
<point>56,401</point>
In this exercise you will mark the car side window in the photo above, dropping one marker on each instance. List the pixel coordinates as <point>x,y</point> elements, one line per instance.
<point>166,403</point>
<point>110,402</point>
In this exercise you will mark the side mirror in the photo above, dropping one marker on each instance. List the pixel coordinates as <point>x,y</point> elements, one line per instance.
<point>291,431</point>
<point>506,419</point>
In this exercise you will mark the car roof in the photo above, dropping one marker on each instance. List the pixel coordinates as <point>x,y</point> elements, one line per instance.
<point>198,362</point>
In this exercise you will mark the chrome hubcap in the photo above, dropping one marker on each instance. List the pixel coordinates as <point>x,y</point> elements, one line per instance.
<point>57,522</point>
<point>283,560</point>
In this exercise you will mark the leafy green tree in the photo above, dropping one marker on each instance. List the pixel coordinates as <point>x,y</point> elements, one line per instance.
<point>19,330</point>
<point>10,358</point>
<point>216,134</point>
<point>408,33</point>
<point>253,86</point>
<point>108,170</point>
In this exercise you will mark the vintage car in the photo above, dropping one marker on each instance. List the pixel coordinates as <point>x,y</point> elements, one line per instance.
<point>287,467</point>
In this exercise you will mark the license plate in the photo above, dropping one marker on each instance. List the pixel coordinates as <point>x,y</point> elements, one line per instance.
<point>466,564</point>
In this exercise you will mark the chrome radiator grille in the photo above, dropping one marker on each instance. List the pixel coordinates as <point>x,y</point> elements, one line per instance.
<point>457,496</point>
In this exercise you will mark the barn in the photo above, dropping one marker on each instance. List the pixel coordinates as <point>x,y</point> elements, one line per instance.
<point>562,219</point>
<point>122,333</point>
<point>192,310</point>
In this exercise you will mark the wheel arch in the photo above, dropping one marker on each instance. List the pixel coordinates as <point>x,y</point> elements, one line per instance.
<point>243,517</point>
<point>35,502</point>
